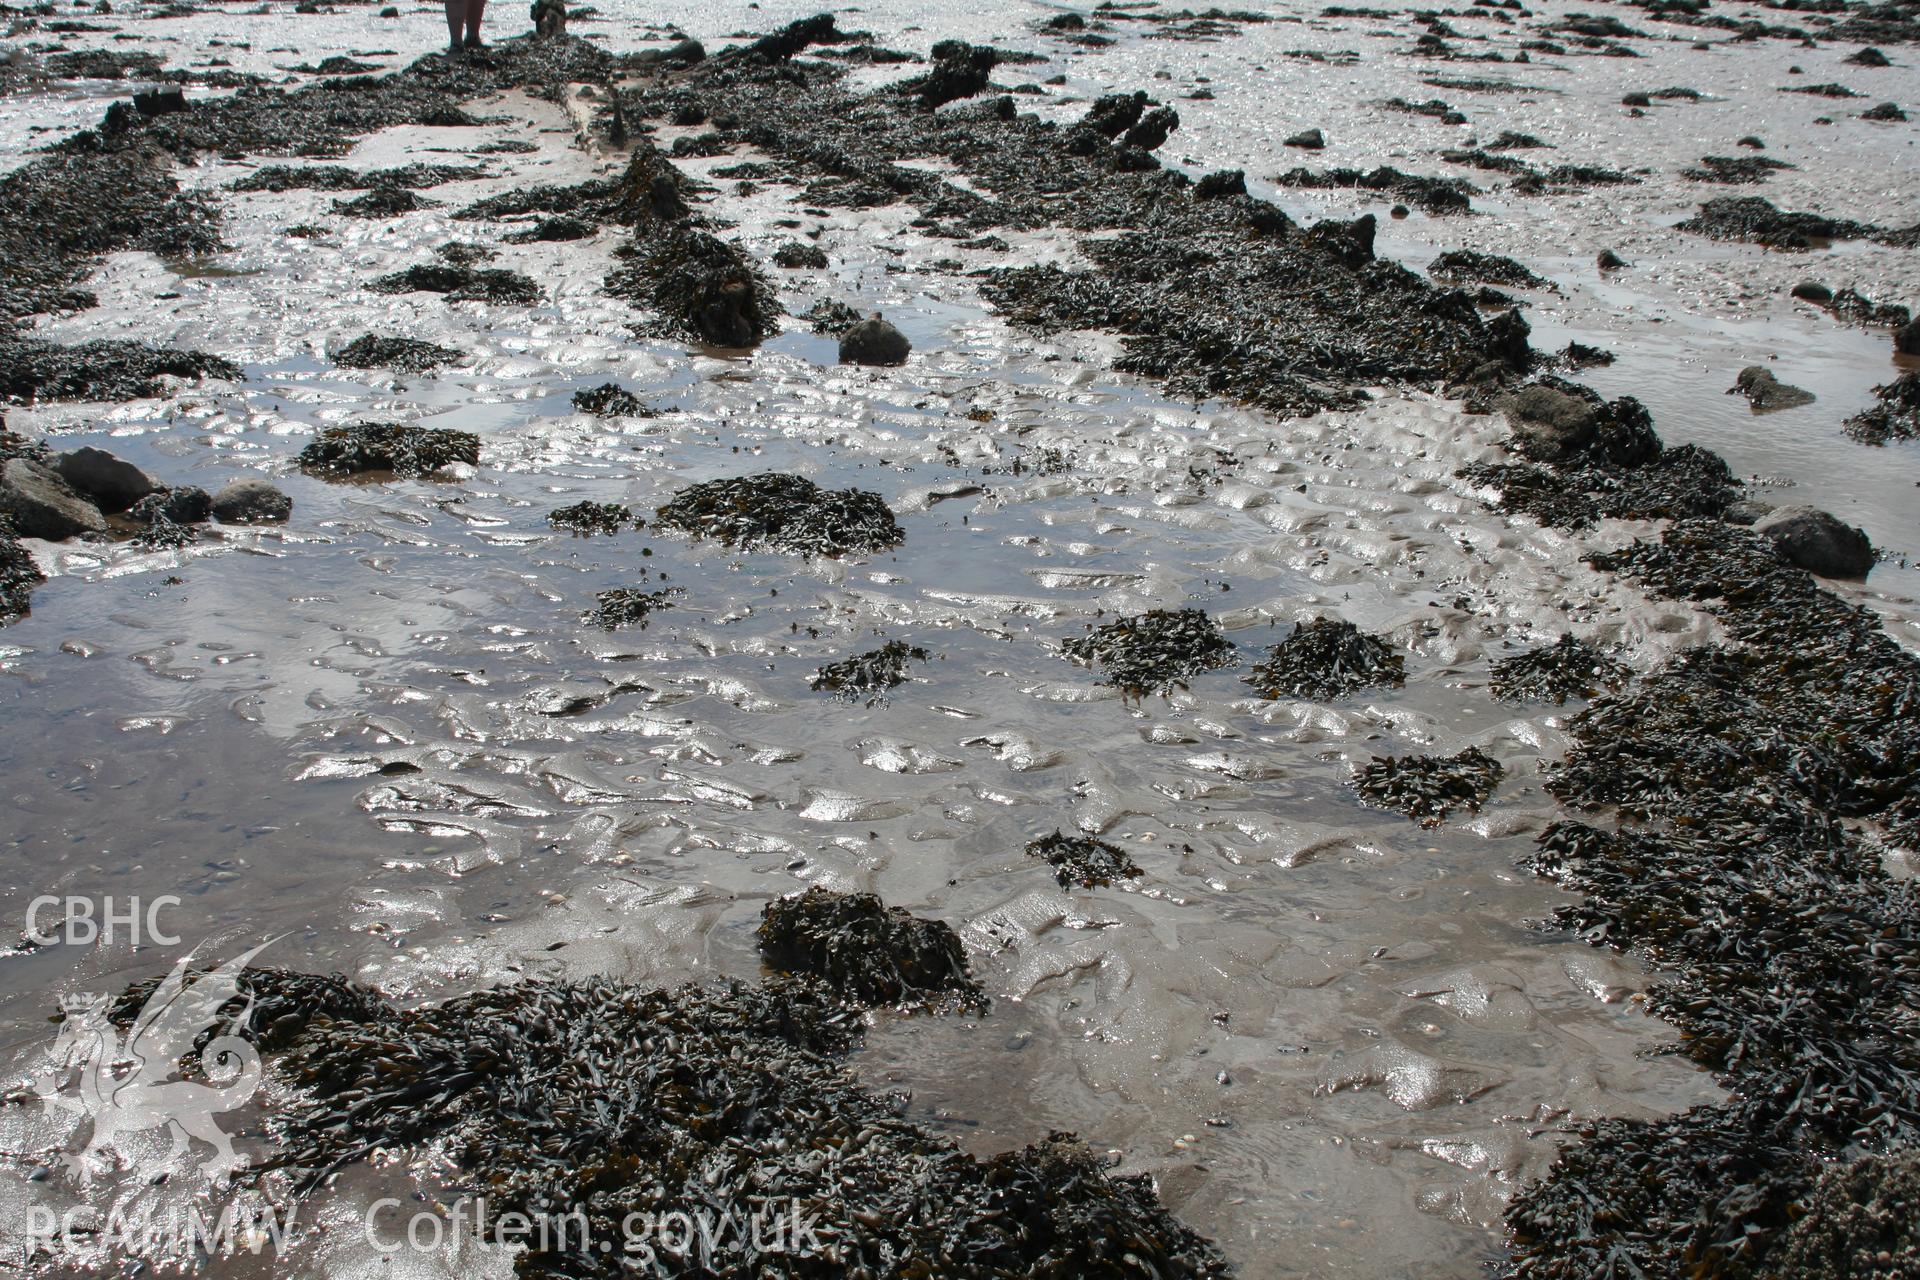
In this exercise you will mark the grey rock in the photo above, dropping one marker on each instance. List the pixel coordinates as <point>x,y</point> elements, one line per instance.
<point>251,502</point>
<point>42,505</point>
<point>874,342</point>
<point>1767,393</point>
<point>114,483</point>
<point>1747,511</point>
<point>1813,291</point>
<point>1818,542</point>
<point>1550,425</point>
<point>1308,140</point>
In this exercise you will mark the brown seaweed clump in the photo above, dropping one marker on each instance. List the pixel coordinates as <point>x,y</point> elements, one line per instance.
<point>1567,668</point>
<point>388,446</point>
<point>869,675</point>
<point>610,400</point>
<point>1083,860</point>
<point>1428,788</point>
<point>1155,651</point>
<point>409,355</point>
<point>628,606</point>
<point>777,512</point>
<point>868,953</point>
<point>459,283</point>
<point>591,517</point>
<point>624,1104</point>
<point>1327,658</point>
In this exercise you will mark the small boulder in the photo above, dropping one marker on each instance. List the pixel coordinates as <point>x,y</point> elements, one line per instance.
<point>1747,511</point>
<point>1226,182</point>
<point>113,483</point>
<point>1550,425</point>
<point>1752,142</point>
<point>1765,392</point>
<point>1868,57</point>
<point>1611,261</point>
<point>42,505</point>
<point>874,342</point>
<point>1308,140</point>
<point>1813,291</point>
<point>251,502</point>
<point>182,504</point>
<point>1906,339</point>
<point>1817,541</point>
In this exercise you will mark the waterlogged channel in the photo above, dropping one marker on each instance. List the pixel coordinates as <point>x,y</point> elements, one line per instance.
<point>388,737</point>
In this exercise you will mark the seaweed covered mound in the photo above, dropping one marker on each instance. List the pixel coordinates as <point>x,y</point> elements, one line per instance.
<point>1428,788</point>
<point>1760,221</point>
<point>388,446</point>
<point>1567,668</point>
<point>869,675</point>
<point>1153,651</point>
<point>1474,267</point>
<point>410,355</point>
<point>866,952</point>
<point>624,1104</point>
<point>610,400</point>
<point>1796,959</point>
<point>1327,658</point>
<point>590,517</point>
<point>104,369</point>
<point>628,606</point>
<point>1896,417</point>
<point>459,283</point>
<point>776,512</point>
<point>1083,860</point>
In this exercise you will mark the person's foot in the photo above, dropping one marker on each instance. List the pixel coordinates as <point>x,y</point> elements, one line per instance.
<point>473,42</point>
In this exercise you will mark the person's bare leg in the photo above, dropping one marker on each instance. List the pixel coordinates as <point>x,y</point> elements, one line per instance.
<point>456,10</point>
<point>475,8</point>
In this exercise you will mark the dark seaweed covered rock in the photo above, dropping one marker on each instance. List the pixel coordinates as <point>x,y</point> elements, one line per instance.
<point>19,575</point>
<point>1083,860</point>
<point>626,1104</point>
<point>1437,196</point>
<point>959,70</point>
<point>388,446</point>
<point>557,229</point>
<point>628,606</point>
<point>590,517</point>
<point>1896,417</point>
<point>111,369</point>
<point>1428,788</point>
<point>410,355</point>
<point>1734,170</point>
<point>874,342</point>
<point>383,202</point>
<point>1328,658</point>
<point>1817,541</point>
<point>866,952</point>
<point>869,675</point>
<point>1765,392</point>
<point>462,283</point>
<point>795,256</point>
<point>1485,268</point>
<point>702,287</point>
<point>1756,219</point>
<point>1308,140</point>
<point>775,512</point>
<point>610,400</point>
<point>1221,184</point>
<point>1683,483</point>
<point>1867,56</point>
<point>1885,112</point>
<point>1567,668</point>
<point>1155,651</point>
<point>179,504</point>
